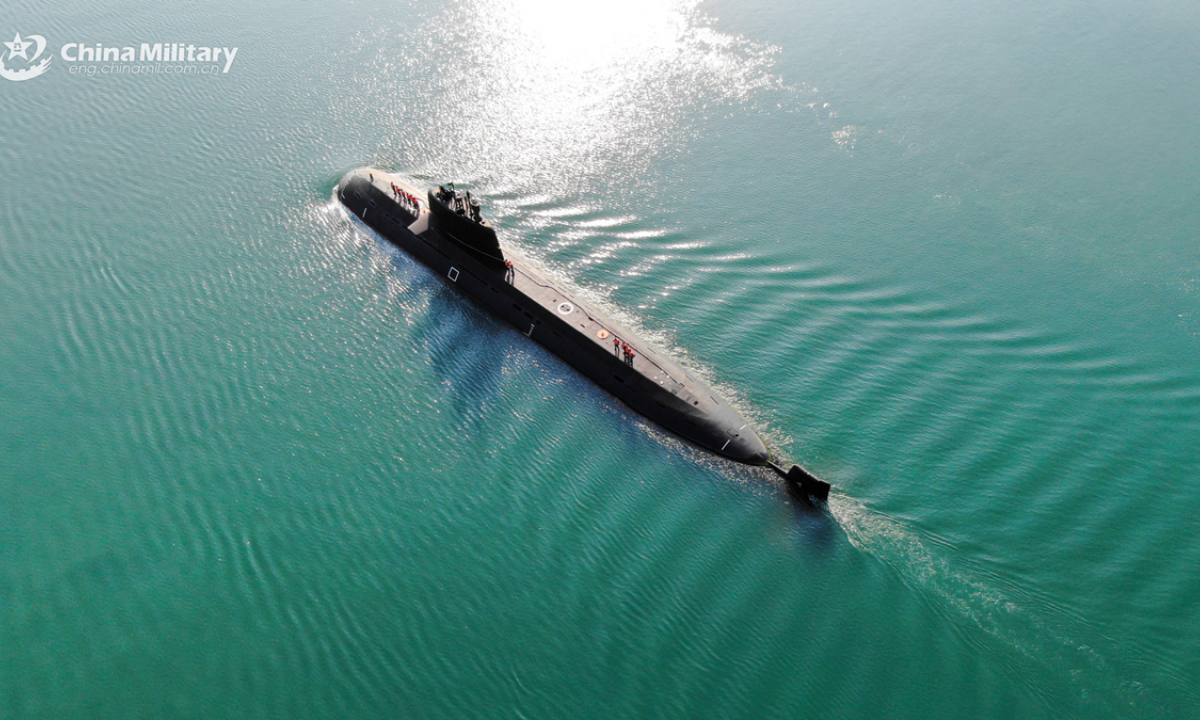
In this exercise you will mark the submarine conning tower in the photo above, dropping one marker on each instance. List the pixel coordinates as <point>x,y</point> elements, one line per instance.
<point>458,216</point>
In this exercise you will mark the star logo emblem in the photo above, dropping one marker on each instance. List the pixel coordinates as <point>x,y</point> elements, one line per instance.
<point>20,47</point>
<point>17,47</point>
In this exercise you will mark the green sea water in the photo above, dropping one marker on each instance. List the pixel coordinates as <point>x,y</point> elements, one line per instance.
<point>256,463</point>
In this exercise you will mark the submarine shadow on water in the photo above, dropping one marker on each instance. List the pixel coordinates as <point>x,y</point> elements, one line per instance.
<point>465,355</point>
<point>465,347</point>
<point>816,524</point>
<point>468,348</point>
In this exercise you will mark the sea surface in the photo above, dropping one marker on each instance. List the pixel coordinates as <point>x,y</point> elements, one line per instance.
<point>256,463</point>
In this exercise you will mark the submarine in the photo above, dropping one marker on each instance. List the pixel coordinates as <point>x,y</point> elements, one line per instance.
<point>444,229</point>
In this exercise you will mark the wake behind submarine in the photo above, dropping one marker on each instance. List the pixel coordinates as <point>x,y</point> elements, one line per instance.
<point>446,231</point>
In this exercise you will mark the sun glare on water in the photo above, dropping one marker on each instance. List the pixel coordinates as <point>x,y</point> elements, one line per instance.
<point>583,37</point>
<point>541,92</point>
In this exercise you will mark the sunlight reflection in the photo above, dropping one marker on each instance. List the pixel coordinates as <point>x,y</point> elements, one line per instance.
<point>534,94</point>
<point>576,37</point>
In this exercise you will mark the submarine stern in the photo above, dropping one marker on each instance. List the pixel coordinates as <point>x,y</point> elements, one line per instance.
<point>748,449</point>
<point>740,442</point>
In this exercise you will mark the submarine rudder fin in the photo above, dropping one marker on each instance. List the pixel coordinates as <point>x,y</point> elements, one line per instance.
<point>803,485</point>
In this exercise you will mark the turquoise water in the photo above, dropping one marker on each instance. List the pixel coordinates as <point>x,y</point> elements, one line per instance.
<point>257,464</point>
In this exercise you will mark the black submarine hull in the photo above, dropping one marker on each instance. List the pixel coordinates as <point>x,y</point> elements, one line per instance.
<point>465,254</point>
